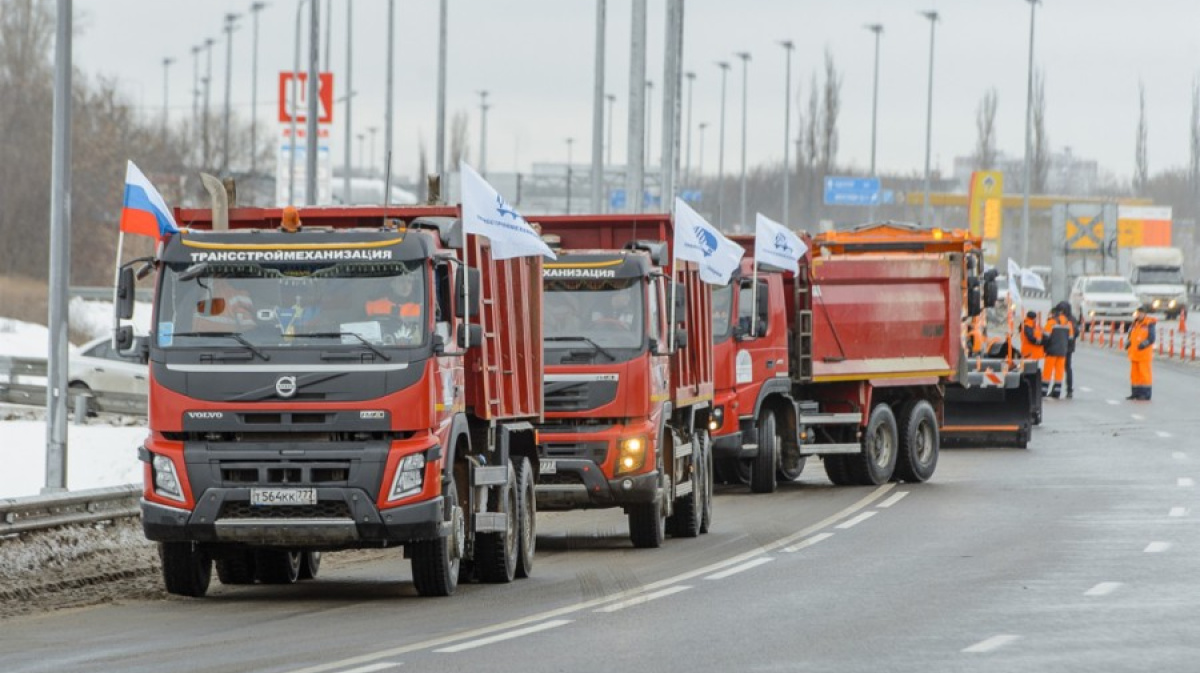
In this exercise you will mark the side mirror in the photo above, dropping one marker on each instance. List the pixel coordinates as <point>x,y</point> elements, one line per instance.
<point>680,302</point>
<point>681,338</point>
<point>974,297</point>
<point>125,294</point>
<point>991,291</point>
<point>739,332</point>
<point>461,310</point>
<point>763,307</point>
<point>760,329</point>
<point>469,336</point>
<point>214,306</point>
<point>123,338</point>
<point>439,344</point>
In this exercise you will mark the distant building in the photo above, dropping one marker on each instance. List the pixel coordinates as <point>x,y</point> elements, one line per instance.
<point>1068,174</point>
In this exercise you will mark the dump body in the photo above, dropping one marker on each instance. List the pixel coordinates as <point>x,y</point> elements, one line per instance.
<point>340,387</point>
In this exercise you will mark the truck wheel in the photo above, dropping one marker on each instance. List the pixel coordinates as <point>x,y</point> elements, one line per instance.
<point>836,470</point>
<point>762,470</point>
<point>277,566</point>
<point>877,461</point>
<point>706,464</point>
<point>791,463</point>
<point>647,525</point>
<point>496,553</point>
<point>310,565</point>
<point>526,518</point>
<point>237,568</point>
<point>435,562</point>
<point>186,568</point>
<point>689,509</point>
<point>919,443</point>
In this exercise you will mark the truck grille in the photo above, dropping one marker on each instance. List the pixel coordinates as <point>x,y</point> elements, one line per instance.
<point>285,473</point>
<point>321,510</point>
<point>578,395</point>
<point>561,479</point>
<point>593,451</point>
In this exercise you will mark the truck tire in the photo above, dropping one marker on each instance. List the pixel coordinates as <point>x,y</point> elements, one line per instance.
<point>647,524</point>
<point>877,461</point>
<point>496,553</point>
<point>835,469</point>
<point>790,466</point>
<point>920,442</point>
<point>686,520</point>
<point>526,517</point>
<point>435,563</point>
<point>310,565</point>
<point>277,566</point>
<point>236,568</point>
<point>762,470</point>
<point>186,568</point>
<point>706,464</point>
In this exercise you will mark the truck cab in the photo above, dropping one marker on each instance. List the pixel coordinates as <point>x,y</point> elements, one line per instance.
<point>1157,277</point>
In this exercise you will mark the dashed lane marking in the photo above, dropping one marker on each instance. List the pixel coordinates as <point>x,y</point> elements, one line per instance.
<point>1163,433</point>
<point>1178,511</point>
<point>1186,482</point>
<point>371,668</point>
<point>808,543</point>
<point>856,520</point>
<point>1112,402</point>
<point>645,598</point>
<point>1137,417</point>
<point>1085,389</point>
<point>740,568</point>
<point>1157,547</point>
<point>508,635</point>
<point>993,643</point>
<point>1179,455</point>
<point>893,500</point>
<point>1103,589</point>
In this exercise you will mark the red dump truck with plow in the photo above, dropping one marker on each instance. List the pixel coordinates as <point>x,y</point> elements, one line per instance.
<point>627,393</point>
<point>339,381</point>
<point>848,360</point>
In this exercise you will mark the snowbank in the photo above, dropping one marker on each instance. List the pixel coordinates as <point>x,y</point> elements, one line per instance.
<point>97,456</point>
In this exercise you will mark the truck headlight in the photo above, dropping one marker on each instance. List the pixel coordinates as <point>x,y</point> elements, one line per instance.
<point>166,482</point>
<point>632,454</point>
<point>410,477</point>
<point>1156,303</point>
<point>717,419</point>
<point>1171,304</point>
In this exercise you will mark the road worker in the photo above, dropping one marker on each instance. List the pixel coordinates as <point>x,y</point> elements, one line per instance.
<point>1065,308</point>
<point>399,299</point>
<point>1031,339</point>
<point>1056,339</point>
<point>1140,346</point>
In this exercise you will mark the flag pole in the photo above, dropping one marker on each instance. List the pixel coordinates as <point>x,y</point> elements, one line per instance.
<point>754,290</point>
<point>116,285</point>
<point>674,284</point>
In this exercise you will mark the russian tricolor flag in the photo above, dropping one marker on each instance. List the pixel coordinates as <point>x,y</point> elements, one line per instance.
<point>144,212</point>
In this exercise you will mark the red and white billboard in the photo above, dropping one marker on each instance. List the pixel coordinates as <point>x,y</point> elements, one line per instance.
<point>324,97</point>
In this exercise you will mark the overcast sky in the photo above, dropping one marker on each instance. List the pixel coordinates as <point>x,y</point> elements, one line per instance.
<point>535,57</point>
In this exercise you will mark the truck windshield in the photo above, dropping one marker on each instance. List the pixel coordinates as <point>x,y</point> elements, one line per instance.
<point>609,312</point>
<point>270,307</point>
<point>1162,276</point>
<point>722,303</point>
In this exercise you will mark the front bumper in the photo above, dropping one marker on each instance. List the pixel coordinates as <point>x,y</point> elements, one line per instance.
<point>731,446</point>
<point>344,518</point>
<point>582,462</point>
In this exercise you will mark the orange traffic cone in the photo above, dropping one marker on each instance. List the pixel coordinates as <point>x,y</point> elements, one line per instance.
<point>1183,320</point>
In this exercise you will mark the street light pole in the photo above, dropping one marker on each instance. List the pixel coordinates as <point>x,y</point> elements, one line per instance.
<point>788,46</point>
<point>293,107</point>
<point>166,98</point>
<point>1027,175</point>
<point>745,56</point>
<point>483,110</point>
<point>612,99</point>
<point>672,108</point>
<point>196,85</point>
<point>371,149</point>
<point>649,121</point>
<point>314,54</point>
<point>570,143</point>
<point>230,21</point>
<point>687,152</point>
<point>597,172</point>
<point>441,99</point>
<point>724,66</point>
<point>389,104</point>
<point>208,45</point>
<point>926,213</point>
<point>362,137</point>
<point>700,160</point>
<point>635,157</point>
<point>347,188</point>
<point>876,28</point>
<point>255,8</point>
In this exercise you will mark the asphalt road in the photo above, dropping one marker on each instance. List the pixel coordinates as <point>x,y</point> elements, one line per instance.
<point>1075,554</point>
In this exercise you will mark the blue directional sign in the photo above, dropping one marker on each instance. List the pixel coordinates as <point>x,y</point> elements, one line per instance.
<point>846,191</point>
<point>616,199</point>
<point>691,195</point>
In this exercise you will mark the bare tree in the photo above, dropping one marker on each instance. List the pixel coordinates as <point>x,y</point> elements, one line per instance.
<point>1141,168</point>
<point>1041,142</point>
<point>810,134</point>
<point>459,138</point>
<point>831,102</point>
<point>985,125</point>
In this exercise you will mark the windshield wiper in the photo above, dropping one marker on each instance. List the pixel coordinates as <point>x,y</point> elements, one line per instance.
<point>598,347</point>
<point>232,335</point>
<point>338,335</point>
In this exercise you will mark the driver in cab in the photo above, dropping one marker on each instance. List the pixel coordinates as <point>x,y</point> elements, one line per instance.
<point>399,300</point>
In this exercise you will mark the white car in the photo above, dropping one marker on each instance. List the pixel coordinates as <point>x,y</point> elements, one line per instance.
<point>1104,299</point>
<point>114,383</point>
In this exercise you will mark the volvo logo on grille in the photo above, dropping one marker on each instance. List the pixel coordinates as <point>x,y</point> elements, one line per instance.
<point>285,386</point>
<point>206,414</point>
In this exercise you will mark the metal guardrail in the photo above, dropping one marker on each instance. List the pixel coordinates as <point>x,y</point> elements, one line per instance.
<point>101,293</point>
<point>23,381</point>
<point>55,510</point>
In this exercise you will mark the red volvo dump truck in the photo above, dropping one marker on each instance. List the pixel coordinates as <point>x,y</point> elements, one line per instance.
<point>343,384</point>
<point>627,393</point>
<point>848,360</point>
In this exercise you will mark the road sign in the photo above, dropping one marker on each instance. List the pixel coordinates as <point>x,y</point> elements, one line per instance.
<point>846,191</point>
<point>691,195</point>
<point>616,199</point>
<point>324,93</point>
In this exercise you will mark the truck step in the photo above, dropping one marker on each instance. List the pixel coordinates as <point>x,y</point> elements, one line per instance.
<point>489,476</point>
<point>831,419</point>
<point>684,489</point>
<point>683,450</point>
<point>491,522</point>
<point>829,449</point>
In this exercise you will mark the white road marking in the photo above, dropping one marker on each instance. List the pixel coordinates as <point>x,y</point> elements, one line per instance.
<point>740,568</point>
<point>1112,402</point>
<point>1103,589</point>
<point>372,667</point>
<point>893,500</point>
<point>1178,511</point>
<point>856,520</point>
<point>809,542</point>
<point>993,643</point>
<point>862,503</point>
<point>1085,389</point>
<point>509,635</point>
<point>1137,417</point>
<point>644,598</point>
<point>1163,433</point>
<point>1157,547</point>
<point>1179,455</point>
<point>1186,482</point>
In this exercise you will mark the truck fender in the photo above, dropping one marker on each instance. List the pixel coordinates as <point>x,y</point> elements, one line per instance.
<point>459,429</point>
<point>776,386</point>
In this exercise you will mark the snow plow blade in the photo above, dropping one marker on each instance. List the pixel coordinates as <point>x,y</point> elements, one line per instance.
<point>994,409</point>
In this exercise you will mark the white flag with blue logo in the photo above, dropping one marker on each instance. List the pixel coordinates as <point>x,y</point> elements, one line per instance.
<point>775,245</point>
<point>1030,279</point>
<point>698,241</point>
<point>1014,272</point>
<point>485,213</point>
